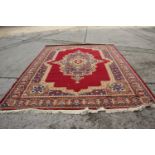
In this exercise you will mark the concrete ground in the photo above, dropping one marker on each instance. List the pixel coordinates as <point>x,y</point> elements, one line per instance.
<point>21,30</point>
<point>137,44</point>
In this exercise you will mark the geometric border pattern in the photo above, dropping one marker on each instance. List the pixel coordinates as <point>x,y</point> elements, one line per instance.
<point>16,98</point>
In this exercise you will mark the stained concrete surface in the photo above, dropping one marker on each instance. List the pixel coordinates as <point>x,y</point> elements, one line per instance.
<point>135,43</point>
<point>7,31</point>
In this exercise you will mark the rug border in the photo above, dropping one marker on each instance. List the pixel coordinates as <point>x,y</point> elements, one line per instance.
<point>22,74</point>
<point>153,95</point>
<point>79,111</point>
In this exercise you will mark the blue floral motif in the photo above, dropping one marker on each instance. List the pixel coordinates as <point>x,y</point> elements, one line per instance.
<point>118,87</point>
<point>38,89</point>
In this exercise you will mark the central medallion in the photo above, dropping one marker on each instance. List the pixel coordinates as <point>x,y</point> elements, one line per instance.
<point>77,70</point>
<point>78,65</point>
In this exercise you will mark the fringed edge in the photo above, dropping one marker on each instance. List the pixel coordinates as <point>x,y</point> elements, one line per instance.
<point>153,105</point>
<point>83,111</point>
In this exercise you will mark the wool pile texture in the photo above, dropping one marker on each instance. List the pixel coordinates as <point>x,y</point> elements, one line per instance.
<point>78,77</point>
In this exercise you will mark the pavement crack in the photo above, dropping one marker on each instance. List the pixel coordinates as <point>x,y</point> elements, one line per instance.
<point>60,41</point>
<point>129,51</point>
<point>137,49</point>
<point>46,34</point>
<point>150,83</point>
<point>134,31</point>
<point>85,37</point>
<point>8,78</point>
<point>17,43</point>
<point>35,37</point>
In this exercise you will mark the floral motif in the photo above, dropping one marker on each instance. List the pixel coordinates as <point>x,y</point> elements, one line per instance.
<point>39,74</point>
<point>117,87</point>
<point>38,89</point>
<point>78,65</point>
<point>116,72</point>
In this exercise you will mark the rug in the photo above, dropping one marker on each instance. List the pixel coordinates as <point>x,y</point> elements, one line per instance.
<point>77,78</point>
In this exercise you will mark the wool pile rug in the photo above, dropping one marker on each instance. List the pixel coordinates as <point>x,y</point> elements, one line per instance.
<point>76,78</point>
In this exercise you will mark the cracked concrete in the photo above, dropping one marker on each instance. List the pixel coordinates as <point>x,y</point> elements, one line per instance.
<point>135,43</point>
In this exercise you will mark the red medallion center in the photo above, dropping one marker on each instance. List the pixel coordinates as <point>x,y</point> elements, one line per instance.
<point>78,69</point>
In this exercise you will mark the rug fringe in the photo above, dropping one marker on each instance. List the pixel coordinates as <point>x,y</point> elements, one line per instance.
<point>153,106</point>
<point>84,111</point>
